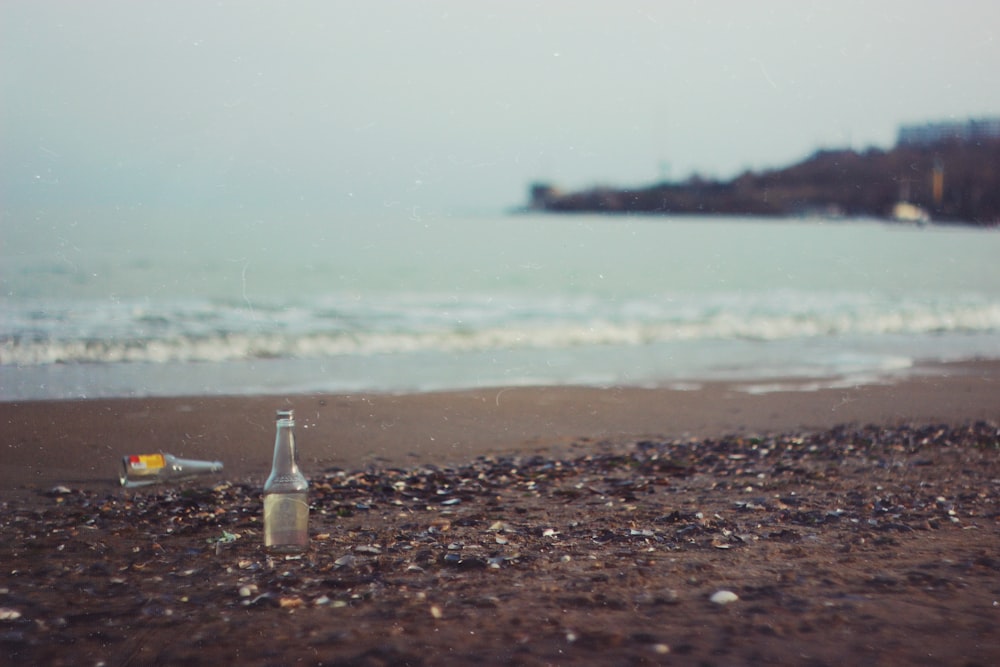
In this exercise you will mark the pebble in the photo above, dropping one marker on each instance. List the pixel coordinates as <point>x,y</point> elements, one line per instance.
<point>345,561</point>
<point>8,614</point>
<point>724,597</point>
<point>263,600</point>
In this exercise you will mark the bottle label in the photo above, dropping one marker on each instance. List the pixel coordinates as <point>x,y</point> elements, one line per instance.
<point>293,481</point>
<point>286,520</point>
<point>146,464</point>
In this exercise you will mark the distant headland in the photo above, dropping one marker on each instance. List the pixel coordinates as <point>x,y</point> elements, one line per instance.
<point>946,172</point>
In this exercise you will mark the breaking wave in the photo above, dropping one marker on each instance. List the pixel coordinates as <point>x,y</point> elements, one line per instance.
<point>203,331</point>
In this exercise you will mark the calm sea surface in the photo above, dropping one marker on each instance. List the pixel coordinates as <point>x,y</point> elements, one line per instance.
<point>405,302</point>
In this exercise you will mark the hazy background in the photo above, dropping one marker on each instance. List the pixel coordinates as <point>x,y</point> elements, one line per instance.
<point>209,197</point>
<point>164,112</point>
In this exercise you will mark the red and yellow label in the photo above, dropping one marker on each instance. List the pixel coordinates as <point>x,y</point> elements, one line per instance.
<point>146,463</point>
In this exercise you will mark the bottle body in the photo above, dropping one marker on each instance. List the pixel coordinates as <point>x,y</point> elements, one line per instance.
<point>146,469</point>
<point>286,522</point>
<point>286,502</point>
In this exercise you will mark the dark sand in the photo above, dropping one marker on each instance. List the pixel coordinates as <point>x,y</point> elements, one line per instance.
<point>517,526</point>
<point>79,443</point>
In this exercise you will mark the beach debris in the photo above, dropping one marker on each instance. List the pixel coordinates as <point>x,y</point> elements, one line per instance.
<point>440,524</point>
<point>138,470</point>
<point>724,597</point>
<point>225,538</point>
<point>291,602</point>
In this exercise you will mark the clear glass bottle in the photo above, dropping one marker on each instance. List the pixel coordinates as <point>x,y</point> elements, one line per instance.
<point>286,503</point>
<point>145,469</point>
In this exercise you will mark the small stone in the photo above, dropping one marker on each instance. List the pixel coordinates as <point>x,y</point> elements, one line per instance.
<point>345,561</point>
<point>665,597</point>
<point>262,601</point>
<point>436,611</point>
<point>724,597</point>
<point>8,614</point>
<point>441,525</point>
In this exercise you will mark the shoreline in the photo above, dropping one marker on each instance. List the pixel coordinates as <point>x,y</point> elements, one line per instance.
<point>78,443</point>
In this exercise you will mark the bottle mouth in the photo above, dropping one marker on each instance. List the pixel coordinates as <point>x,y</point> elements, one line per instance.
<point>286,416</point>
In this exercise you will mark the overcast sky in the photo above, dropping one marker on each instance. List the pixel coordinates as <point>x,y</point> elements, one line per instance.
<point>456,106</point>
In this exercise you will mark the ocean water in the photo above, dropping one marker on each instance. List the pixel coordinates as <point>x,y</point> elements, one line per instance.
<point>131,305</point>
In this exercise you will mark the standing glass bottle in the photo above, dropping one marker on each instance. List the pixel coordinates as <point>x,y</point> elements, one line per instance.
<point>286,504</point>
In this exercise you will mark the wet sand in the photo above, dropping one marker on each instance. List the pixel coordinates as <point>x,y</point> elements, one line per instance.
<point>80,443</point>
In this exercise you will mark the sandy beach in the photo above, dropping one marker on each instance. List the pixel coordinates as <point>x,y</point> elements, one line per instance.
<point>80,443</point>
<point>585,526</point>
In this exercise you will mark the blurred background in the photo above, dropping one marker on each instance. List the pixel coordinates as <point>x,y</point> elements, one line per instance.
<point>259,186</point>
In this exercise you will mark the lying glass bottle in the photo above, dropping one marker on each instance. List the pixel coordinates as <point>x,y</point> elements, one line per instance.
<point>147,469</point>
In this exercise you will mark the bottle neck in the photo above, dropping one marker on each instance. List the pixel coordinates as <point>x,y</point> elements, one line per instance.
<point>284,448</point>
